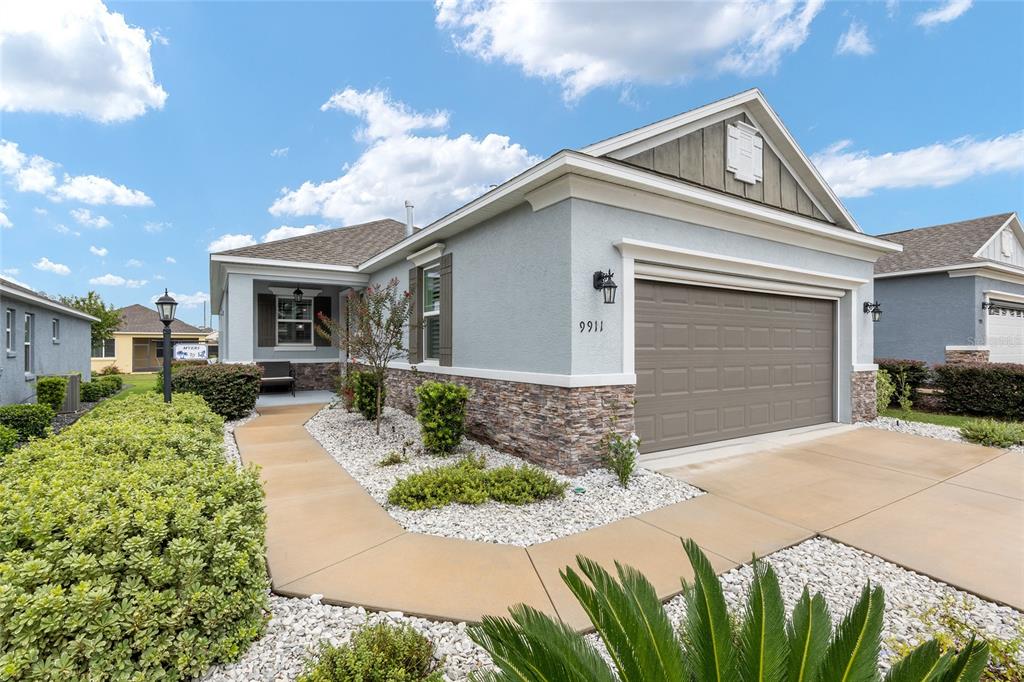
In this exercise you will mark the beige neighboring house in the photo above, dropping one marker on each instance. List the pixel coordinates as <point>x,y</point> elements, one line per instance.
<point>137,345</point>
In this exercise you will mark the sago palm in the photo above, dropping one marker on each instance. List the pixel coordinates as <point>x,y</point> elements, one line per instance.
<point>643,647</point>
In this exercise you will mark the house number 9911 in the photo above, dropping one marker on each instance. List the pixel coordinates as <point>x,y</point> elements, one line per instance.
<point>591,326</point>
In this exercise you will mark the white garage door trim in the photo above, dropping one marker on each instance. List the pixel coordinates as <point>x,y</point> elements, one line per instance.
<point>999,327</point>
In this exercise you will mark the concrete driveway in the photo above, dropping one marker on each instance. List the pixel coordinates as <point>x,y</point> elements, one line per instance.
<point>952,511</point>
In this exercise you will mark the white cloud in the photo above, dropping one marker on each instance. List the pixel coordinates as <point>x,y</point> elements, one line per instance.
<point>4,220</point>
<point>133,263</point>
<point>75,57</point>
<point>36,174</point>
<point>170,259</point>
<point>230,241</point>
<point>11,271</point>
<point>187,300</point>
<point>855,41</point>
<point>284,232</point>
<point>159,37</point>
<point>61,228</point>
<point>280,151</point>
<point>584,46</point>
<point>854,173</point>
<point>944,13</point>
<point>84,217</point>
<point>98,251</point>
<point>154,227</point>
<point>117,281</point>
<point>436,172</point>
<point>40,211</point>
<point>47,265</point>
<point>9,275</point>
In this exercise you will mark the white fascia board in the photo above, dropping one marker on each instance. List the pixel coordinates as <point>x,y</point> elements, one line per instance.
<point>44,302</point>
<point>243,260</point>
<point>427,255</point>
<point>1017,228</point>
<point>989,269</point>
<point>561,380</point>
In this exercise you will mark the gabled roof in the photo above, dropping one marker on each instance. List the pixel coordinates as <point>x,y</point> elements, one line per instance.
<point>339,246</point>
<point>138,319</point>
<point>9,289</point>
<point>753,103</point>
<point>940,246</point>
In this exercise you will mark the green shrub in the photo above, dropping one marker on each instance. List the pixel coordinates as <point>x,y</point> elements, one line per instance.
<point>885,389</point>
<point>30,421</point>
<point>376,653</point>
<point>364,393</point>
<point>994,433</point>
<point>91,391</point>
<point>115,380</point>
<point>441,413</point>
<point>642,645</point>
<point>468,481</point>
<point>51,391</point>
<point>230,390</point>
<point>176,366</point>
<point>8,439</point>
<point>619,455</point>
<point>129,548</point>
<point>109,370</point>
<point>917,372</point>
<point>986,390</point>
<point>392,458</point>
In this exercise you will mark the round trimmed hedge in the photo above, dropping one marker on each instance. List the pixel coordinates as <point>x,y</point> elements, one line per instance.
<point>129,548</point>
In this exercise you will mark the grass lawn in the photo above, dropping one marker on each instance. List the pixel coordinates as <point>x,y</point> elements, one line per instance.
<point>136,383</point>
<point>955,420</point>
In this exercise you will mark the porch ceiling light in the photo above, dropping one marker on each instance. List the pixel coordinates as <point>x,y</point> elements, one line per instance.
<point>165,307</point>
<point>875,309</point>
<point>604,283</point>
<point>298,295</point>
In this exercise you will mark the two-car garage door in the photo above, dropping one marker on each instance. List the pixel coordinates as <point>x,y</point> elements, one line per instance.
<point>713,364</point>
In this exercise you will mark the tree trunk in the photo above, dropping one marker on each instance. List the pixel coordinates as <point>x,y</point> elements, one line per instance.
<point>379,382</point>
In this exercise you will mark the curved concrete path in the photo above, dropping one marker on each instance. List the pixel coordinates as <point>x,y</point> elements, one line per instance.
<point>326,535</point>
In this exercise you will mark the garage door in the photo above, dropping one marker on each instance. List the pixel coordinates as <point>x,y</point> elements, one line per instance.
<point>1006,332</point>
<point>713,364</point>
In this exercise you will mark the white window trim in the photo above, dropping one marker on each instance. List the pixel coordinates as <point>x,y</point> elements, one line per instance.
<point>28,343</point>
<point>55,330</point>
<point>103,351</point>
<point>436,312</point>
<point>278,319</point>
<point>9,316</point>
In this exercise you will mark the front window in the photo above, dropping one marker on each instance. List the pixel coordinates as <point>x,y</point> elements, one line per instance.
<point>29,323</point>
<point>431,313</point>
<point>103,349</point>
<point>55,330</point>
<point>9,330</point>
<point>294,321</point>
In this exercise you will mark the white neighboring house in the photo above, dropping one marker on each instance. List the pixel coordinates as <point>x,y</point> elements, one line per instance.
<point>741,280</point>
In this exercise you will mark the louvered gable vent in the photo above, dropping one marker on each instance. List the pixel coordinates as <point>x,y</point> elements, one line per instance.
<point>744,153</point>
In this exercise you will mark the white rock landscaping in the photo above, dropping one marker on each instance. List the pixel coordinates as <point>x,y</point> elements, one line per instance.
<point>923,429</point>
<point>593,499</point>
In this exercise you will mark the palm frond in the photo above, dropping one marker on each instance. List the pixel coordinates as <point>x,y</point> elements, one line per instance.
<point>968,665</point>
<point>924,664</point>
<point>707,632</point>
<point>630,620</point>
<point>763,647</point>
<point>808,635</point>
<point>852,655</point>
<point>533,647</point>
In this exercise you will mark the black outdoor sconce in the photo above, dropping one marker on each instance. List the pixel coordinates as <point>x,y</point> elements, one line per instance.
<point>604,283</point>
<point>297,294</point>
<point>875,309</point>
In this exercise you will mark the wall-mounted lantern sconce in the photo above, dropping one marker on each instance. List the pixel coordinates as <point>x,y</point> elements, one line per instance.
<point>875,309</point>
<point>992,308</point>
<point>606,285</point>
<point>297,294</point>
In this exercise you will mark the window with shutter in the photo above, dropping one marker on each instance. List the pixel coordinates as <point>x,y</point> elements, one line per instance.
<point>416,320</point>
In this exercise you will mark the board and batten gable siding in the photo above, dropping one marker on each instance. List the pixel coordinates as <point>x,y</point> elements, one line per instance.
<point>700,157</point>
<point>922,314</point>
<point>994,249</point>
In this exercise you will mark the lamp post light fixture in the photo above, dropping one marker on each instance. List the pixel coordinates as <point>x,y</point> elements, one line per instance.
<point>165,307</point>
<point>604,283</point>
<point>875,309</point>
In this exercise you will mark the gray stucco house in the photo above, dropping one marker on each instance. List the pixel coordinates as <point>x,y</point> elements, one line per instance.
<point>739,309</point>
<point>955,293</point>
<point>41,337</point>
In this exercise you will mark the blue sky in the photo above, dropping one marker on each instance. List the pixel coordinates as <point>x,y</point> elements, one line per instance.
<point>194,124</point>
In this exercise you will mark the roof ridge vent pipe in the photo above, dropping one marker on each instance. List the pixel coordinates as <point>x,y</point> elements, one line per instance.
<point>408,218</point>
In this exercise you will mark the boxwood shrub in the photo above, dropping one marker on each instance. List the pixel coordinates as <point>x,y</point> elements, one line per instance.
<point>917,372</point>
<point>51,391</point>
<point>441,412</point>
<point>988,390</point>
<point>230,390</point>
<point>376,653</point>
<point>363,385</point>
<point>114,380</point>
<point>129,548</point>
<point>91,391</point>
<point>8,439</point>
<point>30,421</point>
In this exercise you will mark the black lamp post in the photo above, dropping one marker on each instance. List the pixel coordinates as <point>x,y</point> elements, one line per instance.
<point>604,283</point>
<point>165,307</point>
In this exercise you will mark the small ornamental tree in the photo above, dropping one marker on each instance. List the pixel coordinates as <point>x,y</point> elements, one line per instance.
<point>377,317</point>
<point>108,317</point>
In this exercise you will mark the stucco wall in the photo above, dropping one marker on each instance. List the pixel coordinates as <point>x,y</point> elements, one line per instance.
<point>925,313</point>
<point>981,285</point>
<point>312,354</point>
<point>69,356</point>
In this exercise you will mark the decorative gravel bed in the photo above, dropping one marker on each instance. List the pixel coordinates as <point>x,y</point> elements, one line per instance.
<point>230,445</point>
<point>351,440</point>
<point>923,429</point>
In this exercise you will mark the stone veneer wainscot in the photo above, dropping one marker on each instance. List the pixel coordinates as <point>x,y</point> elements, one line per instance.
<point>556,427</point>
<point>964,356</point>
<point>863,390</point>
<point>316,376</point>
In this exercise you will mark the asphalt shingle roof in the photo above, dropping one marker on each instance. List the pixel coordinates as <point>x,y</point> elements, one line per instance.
<point>138,319</point>
<point>339,246</point>
<point>939,245</point>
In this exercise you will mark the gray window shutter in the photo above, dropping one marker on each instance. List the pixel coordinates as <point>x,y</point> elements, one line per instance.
<point>416,320</point>
<point>321,306</point>
<point>266,320</point>
<point>445,351</point>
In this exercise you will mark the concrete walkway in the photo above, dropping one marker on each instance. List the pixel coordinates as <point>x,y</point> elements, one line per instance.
<point>326,535</point>
<point>949,510</point>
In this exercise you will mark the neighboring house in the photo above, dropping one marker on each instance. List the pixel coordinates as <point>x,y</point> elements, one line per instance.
<point>138,345</point>
<point>955,293</point>
<point>739,309</point>
<point>41,337</point>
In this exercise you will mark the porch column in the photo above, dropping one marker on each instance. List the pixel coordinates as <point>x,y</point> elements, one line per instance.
<point>241,323</point>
